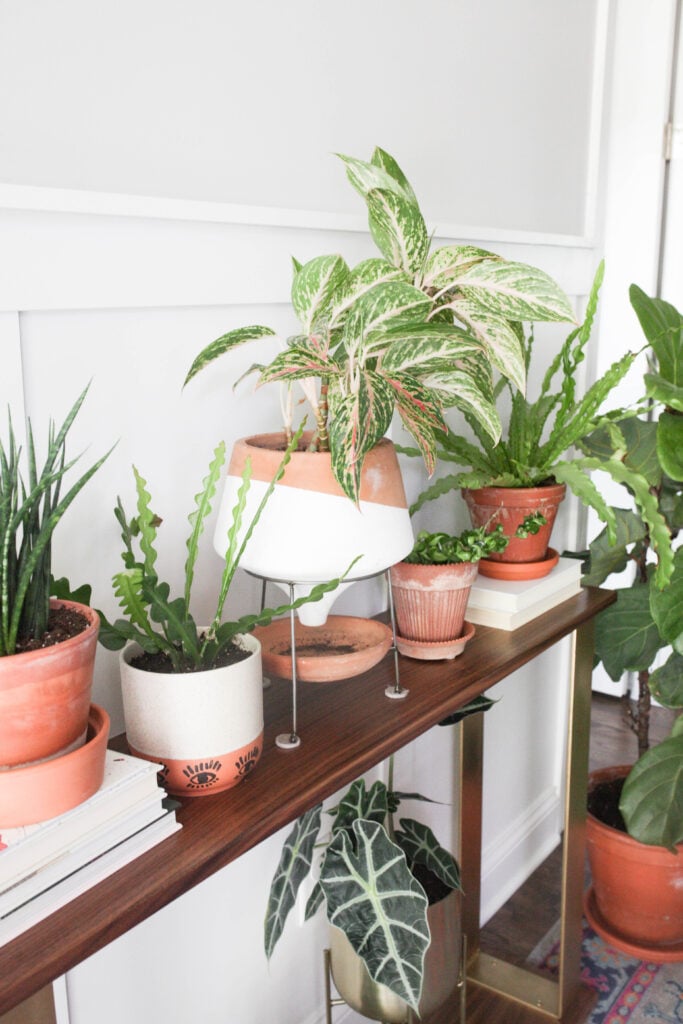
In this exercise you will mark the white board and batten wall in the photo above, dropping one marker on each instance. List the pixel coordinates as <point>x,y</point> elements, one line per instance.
<point>159,164</point>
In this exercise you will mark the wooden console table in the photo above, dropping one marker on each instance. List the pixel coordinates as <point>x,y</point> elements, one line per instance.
<point>346,729</point>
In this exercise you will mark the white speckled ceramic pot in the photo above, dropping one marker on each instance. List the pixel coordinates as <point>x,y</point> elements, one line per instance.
<point>206,728</point>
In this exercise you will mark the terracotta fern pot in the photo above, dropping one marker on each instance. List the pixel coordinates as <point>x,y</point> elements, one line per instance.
<point>206,728</point>
<point>441,969</point>
<point>310,531</point>
<point>45,696</point>
<point>636,897</point>
<point>510,506</point>
<point>430,601</point>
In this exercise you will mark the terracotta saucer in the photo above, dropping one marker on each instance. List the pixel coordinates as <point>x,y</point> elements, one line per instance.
<point>652,954</point>
<point>36,792</point>
<point>436,650</point>
<point>519,570</point>
<point>344,647</point>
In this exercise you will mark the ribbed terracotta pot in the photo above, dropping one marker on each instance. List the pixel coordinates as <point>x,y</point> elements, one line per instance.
<point>206,728</point>
<point>510,506</point>
<point>45,696</point>
<point>430,601</point>
<point>441,968</point>
<point>310,531</point>
<point>636,898</point>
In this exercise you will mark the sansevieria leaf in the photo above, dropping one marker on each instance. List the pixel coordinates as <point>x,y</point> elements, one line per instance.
<point>398,229</point>
<point>294,865</point>
<point>515,291</point>
<point>315,287</point>
<point>372,896</point>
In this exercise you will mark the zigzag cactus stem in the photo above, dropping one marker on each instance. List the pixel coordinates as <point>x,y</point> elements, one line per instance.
<point>321,420</point>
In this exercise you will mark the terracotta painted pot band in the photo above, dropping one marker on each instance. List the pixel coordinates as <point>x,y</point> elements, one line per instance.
<point>199,776</point>
<point>381,482</point>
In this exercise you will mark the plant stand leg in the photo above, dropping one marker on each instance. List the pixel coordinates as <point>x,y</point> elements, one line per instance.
<point>395,692</point>
<point>290,741</point>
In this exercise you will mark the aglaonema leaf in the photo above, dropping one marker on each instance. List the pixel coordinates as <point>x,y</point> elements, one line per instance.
<point>498,338</point>
<point>385,161</point>
<point>652,798</point>
<point>514,291</point>
<point>360,280</point>
<point>421,846</point>
<point>294,866</point>
<point>358,419</point>
<point>224,344</point>
<point>449,260</point>
<point>365,175</point>
<point>315,287</point>
<point>374,899</point>
<point>398,229</point>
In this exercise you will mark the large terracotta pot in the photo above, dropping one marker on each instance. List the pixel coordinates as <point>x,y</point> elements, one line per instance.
<point>636,897</point>
<point>441,968</point>
<point>206,728</point>
<point>310,531</point>
<point>430,600</point>
<point>510,506</point>
<point>45,696</point>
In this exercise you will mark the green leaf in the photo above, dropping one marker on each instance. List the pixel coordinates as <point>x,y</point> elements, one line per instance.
<point>380,158</point>
<point>423,347</point>
<point>314,901</point>
<point>449,260</point>
<point>315,288</point>
<point>634,443</point>
<point>146,522</point>
<point>626,637</point>
<point>358,802</point>
<point>203,505</point>
<point>224,344</point>
<point>398,229</point>
<point>661,323</point>
<point>458,388</point>
<point>299,362</point>
<point>63,590</point>
<point>390,304</point>
<point>421,846</point>
<point>475,707</point>
<point>514,291</point>
<point>359,281</point>
<point>661,390</point>
<point>652,798</point>
<point>420,413</point>
<point>365,176</point>
<point>607,558</point>
<point>666,606</point>
<point>374,899</point>
<point>670,444</point>
<point>295,864</point>
<point>357,422</point>
<point>174,617</point>
<point>498,338</point>
<point>666,682</point>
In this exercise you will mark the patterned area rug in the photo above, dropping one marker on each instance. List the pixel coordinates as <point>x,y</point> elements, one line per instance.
<point>629,990</point>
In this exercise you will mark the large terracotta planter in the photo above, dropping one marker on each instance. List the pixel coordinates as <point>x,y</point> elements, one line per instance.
<point>206,728</point>
<point>45,696</point>
<point>430,600</point>
<point>310,531</point>
<point>441,968</point>
<point>510,506</point>
<point>636,897</point>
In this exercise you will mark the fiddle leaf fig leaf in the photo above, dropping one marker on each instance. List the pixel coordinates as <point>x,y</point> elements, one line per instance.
<point>666,682</point>
<point>606,558</point>
<point>294,866</point>
<point>636,441</point>
<point>372,896</point>
<point>652,798</point>
<point>314,288</point>
<point>224,344</point>
<point>626,637</point>
<point>398,229</point>
<point>670,444</point>
<point>667,606</point>
<point>514,291</point>
<point>662,390</point>
<point>421,846</point>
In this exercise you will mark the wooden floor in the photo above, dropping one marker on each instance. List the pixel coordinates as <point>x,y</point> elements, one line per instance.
<point>516,929</point>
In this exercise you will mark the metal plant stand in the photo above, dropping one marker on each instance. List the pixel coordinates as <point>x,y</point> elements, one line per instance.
<point>291,740</point>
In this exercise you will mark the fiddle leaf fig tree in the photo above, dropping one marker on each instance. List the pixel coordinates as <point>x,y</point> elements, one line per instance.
<point>410,331</point>
<point>646,619</point>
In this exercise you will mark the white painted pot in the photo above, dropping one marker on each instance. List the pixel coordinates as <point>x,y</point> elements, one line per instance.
<point>206,728</point>
<point>310,531</point>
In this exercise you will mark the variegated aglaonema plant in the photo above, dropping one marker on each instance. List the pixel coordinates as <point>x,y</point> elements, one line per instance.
<point>413,330</point>
<point>366,882</point>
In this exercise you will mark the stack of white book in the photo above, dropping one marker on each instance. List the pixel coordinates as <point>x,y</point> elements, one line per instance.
<point>44,866</point>
<point>509,604</point>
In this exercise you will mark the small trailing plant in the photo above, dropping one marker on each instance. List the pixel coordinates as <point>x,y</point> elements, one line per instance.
<point>31,507</point>
<point>162,624</point>
<point>646,618</point>
<point>541,432</point>
<point>366,881</point>
<point>468,546</point>
<point>413,330</point>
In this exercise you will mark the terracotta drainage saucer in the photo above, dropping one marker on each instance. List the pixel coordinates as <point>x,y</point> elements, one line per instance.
<point>653,954</point>
<point>436,650</point>
<point>519,570</point>
<point>42,790</point>
<point>343,647</point>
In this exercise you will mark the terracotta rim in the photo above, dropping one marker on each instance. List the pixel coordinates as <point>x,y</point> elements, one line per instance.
<point>373,639</point>
<point>654,954</point>
<point>520,570</point>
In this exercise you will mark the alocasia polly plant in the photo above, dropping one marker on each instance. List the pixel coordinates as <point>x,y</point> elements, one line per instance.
<point>366,882</point>
<point>647,616</point>
<point>413,330</point>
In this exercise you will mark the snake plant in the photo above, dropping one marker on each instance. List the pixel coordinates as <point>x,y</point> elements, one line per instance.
<point>30,510</point>
<point>413,330</point>
<point>162,624</point>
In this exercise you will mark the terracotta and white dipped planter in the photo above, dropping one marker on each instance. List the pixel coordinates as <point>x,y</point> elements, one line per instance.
<point>206,728</point>
<point>310,531</point>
